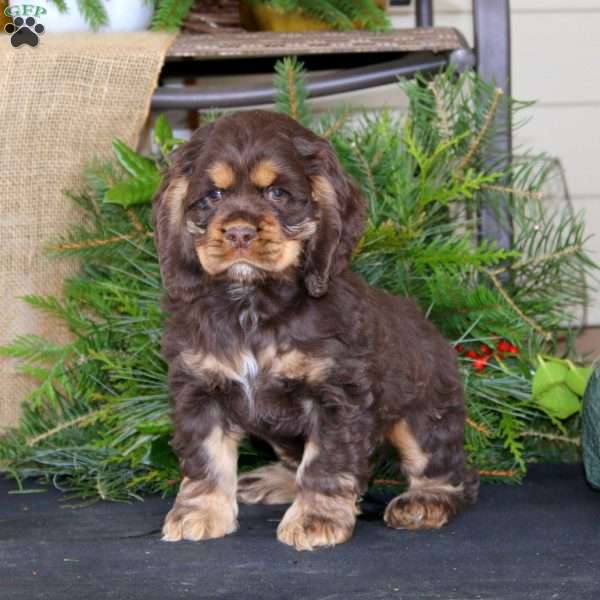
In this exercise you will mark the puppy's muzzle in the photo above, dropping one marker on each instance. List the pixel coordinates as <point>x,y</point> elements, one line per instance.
<point>240,236</point>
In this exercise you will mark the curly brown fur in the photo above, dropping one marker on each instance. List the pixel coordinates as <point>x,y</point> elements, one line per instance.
<point>271,334</point>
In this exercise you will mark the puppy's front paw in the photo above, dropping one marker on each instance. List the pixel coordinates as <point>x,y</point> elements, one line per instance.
<point>419,511</point>
<point>206,517</point>
<point>272,484</point>
<point>308,527</point>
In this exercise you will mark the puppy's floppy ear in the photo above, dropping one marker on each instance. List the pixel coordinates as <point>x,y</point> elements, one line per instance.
<point>341,210</point>
<point>180,268</point>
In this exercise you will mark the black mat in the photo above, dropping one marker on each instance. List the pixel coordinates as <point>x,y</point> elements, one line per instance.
<point>539,540</point>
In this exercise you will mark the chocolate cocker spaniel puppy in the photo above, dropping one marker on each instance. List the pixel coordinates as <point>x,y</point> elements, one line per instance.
<point>270,334</point>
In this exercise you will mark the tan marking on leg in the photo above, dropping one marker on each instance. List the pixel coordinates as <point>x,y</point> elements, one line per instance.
<point>174,194</point>
<point>311,451</point>
<point>271,484</point>
<point>414,460</point>
<point>428,503</point>
<point>264,173</point>
<point>315,520</point>
<point>222,175</point>
<point>207,509</point>
<point>437,485</point>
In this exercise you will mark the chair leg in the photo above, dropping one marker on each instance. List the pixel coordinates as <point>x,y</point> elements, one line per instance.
<point>424,13</point>
<point>493,49</point>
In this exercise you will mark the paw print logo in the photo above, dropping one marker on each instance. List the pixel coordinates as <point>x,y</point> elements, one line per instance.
<point>24,31</point>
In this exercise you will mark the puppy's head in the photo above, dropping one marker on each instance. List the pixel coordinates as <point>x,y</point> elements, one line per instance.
<point>254,196</point>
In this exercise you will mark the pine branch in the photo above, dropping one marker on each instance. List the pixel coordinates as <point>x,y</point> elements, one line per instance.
<point>322,10</point>
<point>93,12</point>
<point>88,244</point>
<point>444,119</point>
<point>508,473</point>
<point>169,14</point>
<point>487,124</point>
<point>290,90</point>
<point>81,420</point>
<point>364,13</point>
<point>552,437</point>
<point>538,260</point>
<point>479,427</point>
<point>339,121</point>
<point>529,195</point>
<point>492,275</point>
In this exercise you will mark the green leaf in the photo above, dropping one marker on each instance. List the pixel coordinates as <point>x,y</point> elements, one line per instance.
<point>508,426</point>
<point>549,373</point>
<point>135,164</point>
<point>559,401</point>
<point>132,191</point>
<point>577,379</point>
<point>163,134</point>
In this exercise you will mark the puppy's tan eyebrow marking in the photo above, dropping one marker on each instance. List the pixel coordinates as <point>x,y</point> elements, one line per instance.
<point>222,175</point>
<point>264,173</point>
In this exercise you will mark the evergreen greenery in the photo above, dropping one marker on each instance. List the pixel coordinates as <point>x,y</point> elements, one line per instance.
<point>338,14</point>
<point>168,15</point>
<point>98,423</point>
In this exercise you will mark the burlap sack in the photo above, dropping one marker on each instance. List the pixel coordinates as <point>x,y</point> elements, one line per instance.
<point>61,103</point>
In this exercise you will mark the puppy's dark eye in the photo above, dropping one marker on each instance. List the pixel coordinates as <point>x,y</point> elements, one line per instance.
<point>215,195</point>
<point>275,193</point>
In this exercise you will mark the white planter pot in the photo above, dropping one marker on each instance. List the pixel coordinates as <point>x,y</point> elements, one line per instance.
<point>123,15</point>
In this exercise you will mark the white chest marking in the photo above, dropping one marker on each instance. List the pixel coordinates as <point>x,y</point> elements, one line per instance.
<point>242,369</point>
<point>247,375</point>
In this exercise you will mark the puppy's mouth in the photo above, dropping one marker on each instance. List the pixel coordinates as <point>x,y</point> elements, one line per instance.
<point>244,271</point>
<point>240,252</point>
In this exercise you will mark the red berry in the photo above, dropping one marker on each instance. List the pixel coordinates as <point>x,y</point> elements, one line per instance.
<point>480,363</point>
<point>459,348</point>
<point>513,349</point>
<point>472,354</point>
<point>503,346</point>
<point>485,349</point>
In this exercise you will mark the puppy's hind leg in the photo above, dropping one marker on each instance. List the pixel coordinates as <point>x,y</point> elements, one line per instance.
<point>433,460</point>
<point>271,484</point>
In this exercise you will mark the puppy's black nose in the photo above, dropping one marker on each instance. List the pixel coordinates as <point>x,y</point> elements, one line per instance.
<point>240,236</point>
